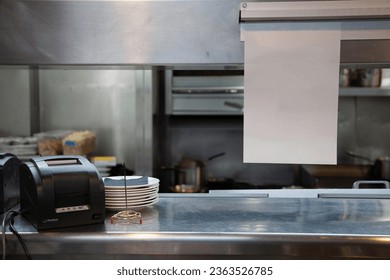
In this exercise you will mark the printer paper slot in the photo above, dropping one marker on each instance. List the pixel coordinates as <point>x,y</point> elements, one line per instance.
<point>55,162</point>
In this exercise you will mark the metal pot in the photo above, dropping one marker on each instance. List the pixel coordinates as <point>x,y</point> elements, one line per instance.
<point>189,174</point>
<point>380,166</point>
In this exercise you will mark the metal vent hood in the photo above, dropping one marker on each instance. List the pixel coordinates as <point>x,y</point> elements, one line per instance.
<point>168,33</point>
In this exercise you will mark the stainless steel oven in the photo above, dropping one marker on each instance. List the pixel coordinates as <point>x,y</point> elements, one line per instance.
<point>204,91</point>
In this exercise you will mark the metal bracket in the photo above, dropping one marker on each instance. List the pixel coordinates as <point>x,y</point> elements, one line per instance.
<point>357,184</point>
<point>314,10</point>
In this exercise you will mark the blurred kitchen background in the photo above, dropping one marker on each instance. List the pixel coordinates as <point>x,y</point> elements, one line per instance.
<point>158,119</point>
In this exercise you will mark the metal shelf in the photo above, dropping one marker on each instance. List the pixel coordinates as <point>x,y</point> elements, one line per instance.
<point>231,104</point>
<point>364,92</point>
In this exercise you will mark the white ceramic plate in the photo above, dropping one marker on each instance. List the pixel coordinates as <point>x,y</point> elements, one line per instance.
<point>132,193</point>
<point>131,196</point>
<point>131,189</point>
<point>130,199</point>
<point>122,189</point>
<point>132,207</point>
<point>151,181</point>
<point>136,202</point>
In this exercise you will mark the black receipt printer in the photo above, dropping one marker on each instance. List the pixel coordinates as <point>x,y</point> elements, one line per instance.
<point>61,191</point>
<point>9,181</point>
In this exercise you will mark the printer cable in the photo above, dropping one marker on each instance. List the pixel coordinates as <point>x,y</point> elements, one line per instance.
<point>14,231</point>
<point>3,234</point>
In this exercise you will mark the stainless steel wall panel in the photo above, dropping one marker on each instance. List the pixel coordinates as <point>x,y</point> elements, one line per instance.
<point>144,122</point>
<point>103,101</point>
<point>119,32</point>
<point>363,128</point>
<point>373,127</point>
<point>14,102</point>
<point>346,129</point>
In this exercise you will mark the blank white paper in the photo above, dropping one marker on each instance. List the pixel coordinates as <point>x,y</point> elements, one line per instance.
<point>291,94</point>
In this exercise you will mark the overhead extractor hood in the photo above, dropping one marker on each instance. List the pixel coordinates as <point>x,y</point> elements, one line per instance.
<point>167,33</point>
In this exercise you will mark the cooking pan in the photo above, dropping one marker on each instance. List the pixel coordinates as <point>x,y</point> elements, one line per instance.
<point>189,174</point>
<point>380,166</point>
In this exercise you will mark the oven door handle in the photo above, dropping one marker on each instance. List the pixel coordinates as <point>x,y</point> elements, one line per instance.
<point>357,184</point>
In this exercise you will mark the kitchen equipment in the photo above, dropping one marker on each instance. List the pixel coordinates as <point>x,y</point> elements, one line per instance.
<point>340,176</point>
<point>380,166</point>
<point>189,174</point>
<point>61,191</point>
<point>9,181</point>
<point>370,77</point>
<point>210,91</point>
<point>213,183</point>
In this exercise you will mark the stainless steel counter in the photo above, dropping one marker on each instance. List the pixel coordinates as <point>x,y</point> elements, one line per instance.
<point>203,226</point>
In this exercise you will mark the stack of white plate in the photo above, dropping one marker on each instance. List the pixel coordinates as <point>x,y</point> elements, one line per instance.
<point>22,147</point>
<point>139,192</point>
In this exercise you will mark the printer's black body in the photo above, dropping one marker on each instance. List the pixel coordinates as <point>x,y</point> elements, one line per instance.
<point>9,181</point>
<point>61,191</point>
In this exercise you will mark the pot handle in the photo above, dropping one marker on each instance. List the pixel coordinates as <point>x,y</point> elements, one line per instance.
<point>171,169</point>
<point>351,154</point>
<point>215,156</point>
<point>357,184</point>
